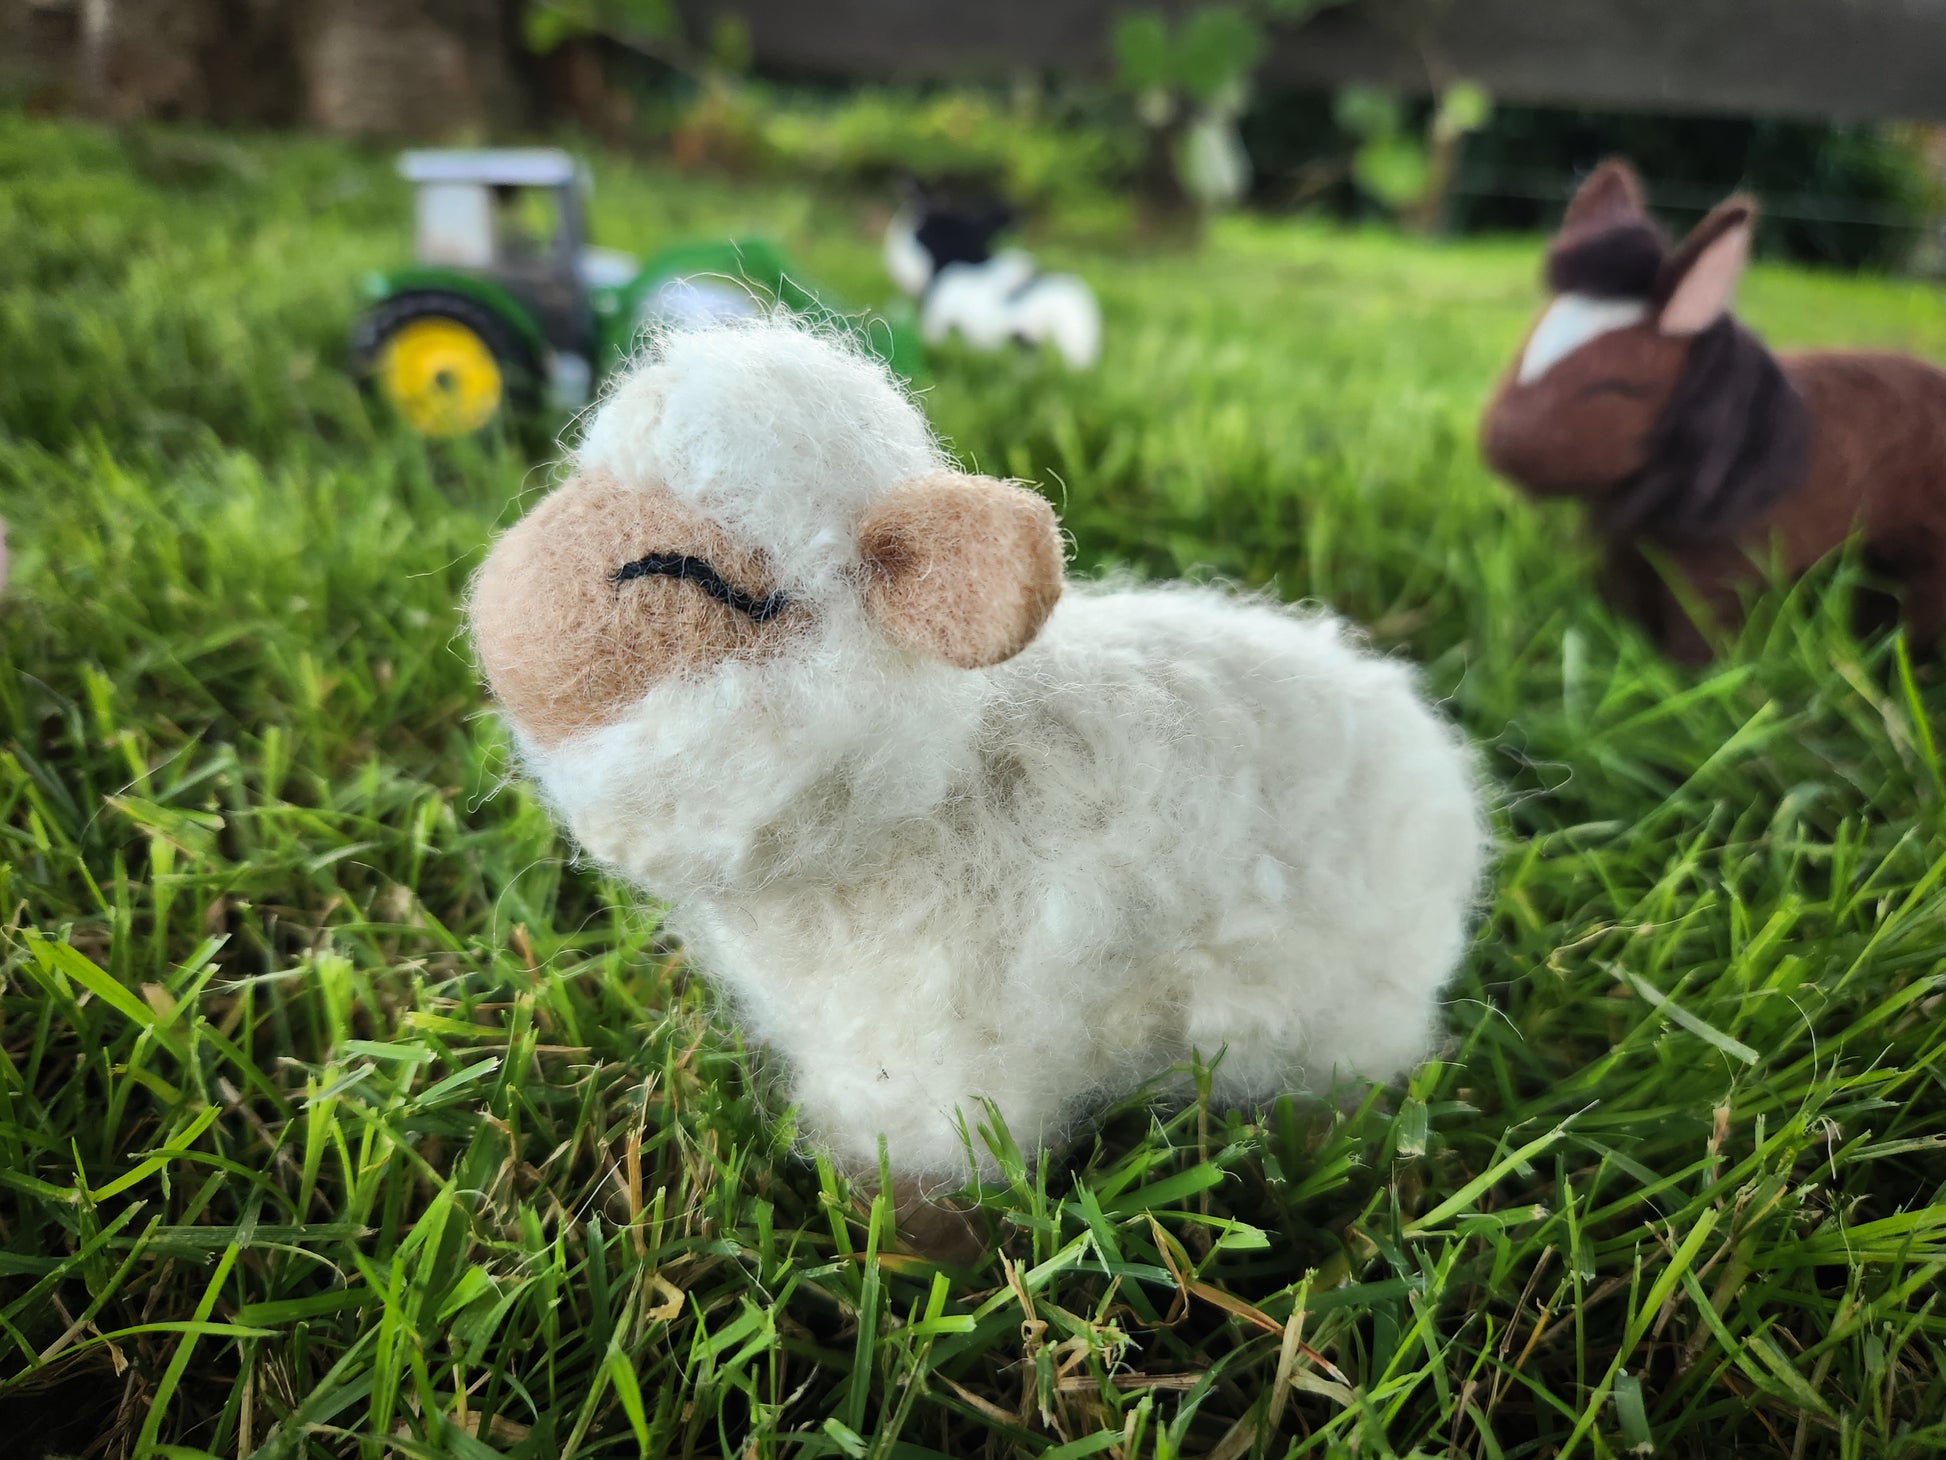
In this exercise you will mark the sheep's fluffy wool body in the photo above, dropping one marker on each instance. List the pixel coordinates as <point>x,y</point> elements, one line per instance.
<point>1179,821</point>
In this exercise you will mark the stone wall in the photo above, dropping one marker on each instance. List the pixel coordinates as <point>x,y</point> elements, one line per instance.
<point>416,69</point>
<point>412,68</point>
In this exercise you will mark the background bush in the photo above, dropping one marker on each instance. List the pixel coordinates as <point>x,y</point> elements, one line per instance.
<point>1845,196</point>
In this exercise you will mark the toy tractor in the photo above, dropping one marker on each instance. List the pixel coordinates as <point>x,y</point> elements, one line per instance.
<point>507,303</point>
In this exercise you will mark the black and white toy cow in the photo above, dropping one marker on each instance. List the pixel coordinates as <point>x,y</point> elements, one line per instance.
<point>941,253</point>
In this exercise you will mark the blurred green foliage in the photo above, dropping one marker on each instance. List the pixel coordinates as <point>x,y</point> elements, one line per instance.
<point>1850,195</point>
<point>653,28</point>
<point>878,134</point>
<point>1189,82</point>
<point>1212,48</point>
<point>1409,169</point>
<point>546,24</point>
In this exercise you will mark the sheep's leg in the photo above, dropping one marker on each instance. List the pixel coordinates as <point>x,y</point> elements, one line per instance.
<point>1349,1021</point>
<point>921,1095</point>
<point>848,1100</point>
<point>945,1230</point>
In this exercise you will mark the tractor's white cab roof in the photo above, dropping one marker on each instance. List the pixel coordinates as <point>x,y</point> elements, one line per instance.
<point>520,167</point>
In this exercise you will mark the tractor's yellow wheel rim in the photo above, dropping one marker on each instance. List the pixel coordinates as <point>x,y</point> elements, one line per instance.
<point>441,376</point>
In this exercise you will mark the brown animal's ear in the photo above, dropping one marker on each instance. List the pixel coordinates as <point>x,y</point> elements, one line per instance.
<point>963,568</point>
<point>1700,279</point>
<point>1610,194</point>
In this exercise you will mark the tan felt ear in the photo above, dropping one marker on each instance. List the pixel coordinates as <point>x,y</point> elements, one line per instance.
<point>1701,279</point>
<point>964,568</point>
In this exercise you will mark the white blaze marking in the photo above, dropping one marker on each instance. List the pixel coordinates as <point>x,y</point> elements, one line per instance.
<point>1569,323</point>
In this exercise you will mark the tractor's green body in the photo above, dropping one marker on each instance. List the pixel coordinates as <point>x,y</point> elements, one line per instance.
<point>554,315</point>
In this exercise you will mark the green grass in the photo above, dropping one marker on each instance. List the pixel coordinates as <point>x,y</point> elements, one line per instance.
<point>339,1116</point>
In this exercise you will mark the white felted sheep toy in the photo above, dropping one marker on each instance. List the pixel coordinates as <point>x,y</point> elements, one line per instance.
<point>942,833</point>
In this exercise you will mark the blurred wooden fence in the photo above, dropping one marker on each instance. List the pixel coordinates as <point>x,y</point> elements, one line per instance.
<point>1811,58</point>
<point>425,67</point>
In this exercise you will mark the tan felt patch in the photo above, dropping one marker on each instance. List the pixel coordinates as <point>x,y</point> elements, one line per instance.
<point>963,568</point>
<point>565,647</point>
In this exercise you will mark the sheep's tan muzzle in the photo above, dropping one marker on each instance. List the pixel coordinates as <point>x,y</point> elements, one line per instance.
<point>564,646</point>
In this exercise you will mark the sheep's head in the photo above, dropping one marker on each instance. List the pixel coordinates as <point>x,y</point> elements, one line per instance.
<point>1578,410</point>
<point>753,493</point>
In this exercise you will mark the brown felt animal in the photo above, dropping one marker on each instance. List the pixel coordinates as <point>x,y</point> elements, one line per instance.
<point>1698,450</point>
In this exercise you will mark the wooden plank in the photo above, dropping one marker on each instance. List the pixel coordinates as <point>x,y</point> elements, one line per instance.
<point>1813,58</point>
<point>1806,58</point>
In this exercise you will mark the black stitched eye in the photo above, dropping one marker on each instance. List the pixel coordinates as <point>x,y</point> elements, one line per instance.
<point>1614,387</point>
<point>699,572</point>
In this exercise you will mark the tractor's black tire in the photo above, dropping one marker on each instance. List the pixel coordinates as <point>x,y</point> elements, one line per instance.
<point>520,371</point>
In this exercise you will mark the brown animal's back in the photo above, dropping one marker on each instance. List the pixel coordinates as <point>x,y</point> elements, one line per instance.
<point>1878,458</point>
